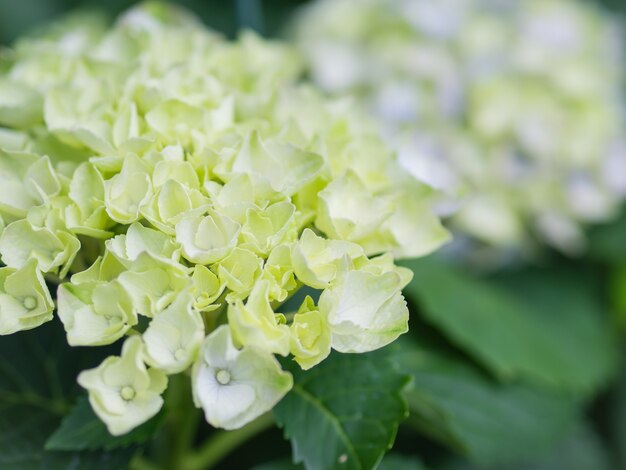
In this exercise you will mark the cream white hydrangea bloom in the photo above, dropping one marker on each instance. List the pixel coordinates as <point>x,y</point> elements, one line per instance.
<point>235,386</point>
<point>180,188</point>
<point>122,391</point>
<point>513,108</point>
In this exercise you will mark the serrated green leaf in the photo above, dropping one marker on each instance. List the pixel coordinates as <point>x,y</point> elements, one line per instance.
<point>344,413</point>
<point>557,335</point>
<point>462,407</point>
<point>81,429</point>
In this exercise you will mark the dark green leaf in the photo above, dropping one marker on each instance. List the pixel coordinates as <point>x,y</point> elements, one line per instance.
<point>283,464</point>
<point>618,420</point>
<point>554,334</point>
<point>81,429</point>
<point>581,450</point>
<point>567,304</point>
<point>401,462</point>
<point>344,413</point>
<point>606,241</point>
<point>490,422</point>
<point>37,383</point>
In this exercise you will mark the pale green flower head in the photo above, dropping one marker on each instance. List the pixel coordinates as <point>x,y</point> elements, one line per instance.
<point>180,188</point>
<point>123,392</point>
<point>512,110</point>
<point>235,386</point>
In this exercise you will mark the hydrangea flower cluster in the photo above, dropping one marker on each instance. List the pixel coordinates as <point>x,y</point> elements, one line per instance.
<point>516,107</point>
<point>179,188</point>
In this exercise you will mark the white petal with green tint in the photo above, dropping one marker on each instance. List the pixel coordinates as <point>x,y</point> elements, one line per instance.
<point>235,386</point>
<point>365,311</point>
<point>207,239</point>
<point>95,314</point>
<point>174,336</point>
<point>122,391</point>
<point>25,301</point>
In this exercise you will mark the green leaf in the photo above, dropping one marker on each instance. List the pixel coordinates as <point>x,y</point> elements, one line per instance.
<point>345,412</point>
<point>543,326</point>
<point>580,450</point>
<point>462,407</point>
<point>401,462</point>
<point>282,464</point>
<point>606,241</point>
<point>37,384</point>
<point>567,302</point>
<point>81,429</point>
<point>617,420</point>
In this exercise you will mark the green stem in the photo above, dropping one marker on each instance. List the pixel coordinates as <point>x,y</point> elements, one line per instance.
<point>219,445</point>
<point>183,420</point>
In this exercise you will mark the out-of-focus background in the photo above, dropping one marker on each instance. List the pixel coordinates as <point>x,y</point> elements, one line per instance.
<point>266,17</point>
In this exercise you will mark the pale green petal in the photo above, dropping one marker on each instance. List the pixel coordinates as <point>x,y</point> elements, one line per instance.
<point>128,191</point>
<point>365,311</point>
<point>140,240</point>
<point>285,168</point>
<point>264,229</point>
<point>316,261</point>
<point>207,239</point>
<point>206,288</point>
<point>310,335</point>
<point>256,324</point>
<point>174,336</point>
<point>89,315</point>
<point>20,105</point>
<point>349,211</point>
<point>279,272</point>
<point>20,242</point>
<point>25,301</point>
<point>239,271</point>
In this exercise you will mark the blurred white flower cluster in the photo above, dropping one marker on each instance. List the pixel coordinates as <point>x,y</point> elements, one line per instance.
<point>189,187</point>
<point>512,107</point>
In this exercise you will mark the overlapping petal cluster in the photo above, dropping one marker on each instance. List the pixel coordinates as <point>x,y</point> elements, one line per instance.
<point>180,188</point>
<point>515,107</point>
